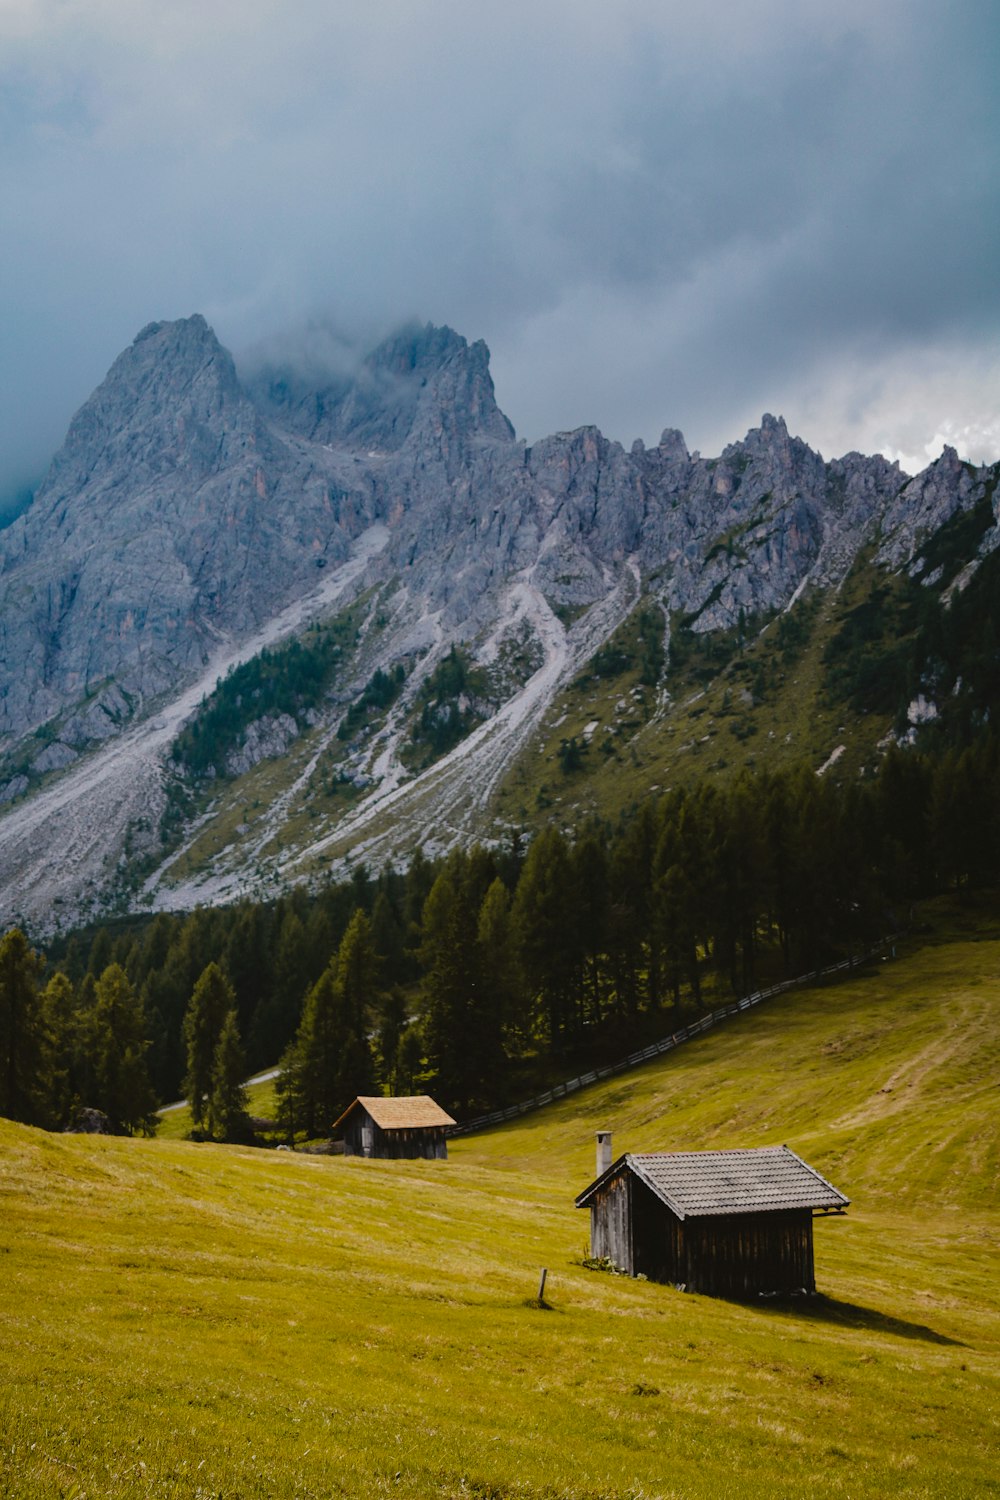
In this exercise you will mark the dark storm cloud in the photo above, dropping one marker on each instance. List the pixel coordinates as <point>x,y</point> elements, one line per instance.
<point>653,217</point>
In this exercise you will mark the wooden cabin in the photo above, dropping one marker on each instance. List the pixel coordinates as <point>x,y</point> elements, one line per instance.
<point>399,1128</point>
<point>727,1223</point>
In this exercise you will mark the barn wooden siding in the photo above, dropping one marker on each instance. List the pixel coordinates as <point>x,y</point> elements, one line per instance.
<point>611,1223</point>
<point>729,1255</point>
<point>425,1141</point>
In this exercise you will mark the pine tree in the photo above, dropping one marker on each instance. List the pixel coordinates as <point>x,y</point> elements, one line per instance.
<point>319,1045</point>
<point>118,1032</point>
<point>246,959</point>
<point>418,881</point>
<point>502,993</point>
<point>357,971</point>
<point>409,1059</point>
<point>227,1101</point>
<point>211,1001</point>
<point>167,991</point>
<point>589,874</point>
<point>544,927</point>
<point>278,1015</point>
<point>741,879</point>
<point>290,1093</point>
<point>391,1026</point>
<point>62,1026</point>
<point>24,1049</point>
<point>634,957</point>
<point>450,960</point>
<point>388,938</point>
<point>332,1050</point>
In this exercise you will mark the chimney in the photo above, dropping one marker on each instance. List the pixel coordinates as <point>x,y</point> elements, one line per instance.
<point>603,1151</point>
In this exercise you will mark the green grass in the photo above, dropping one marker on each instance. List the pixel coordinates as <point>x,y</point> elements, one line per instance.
<point>184,1320</point>
<point>767,705</point>
<point>175,1124</point>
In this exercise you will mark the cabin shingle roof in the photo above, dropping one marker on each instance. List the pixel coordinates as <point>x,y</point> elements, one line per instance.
<point>752,1180</point>
<point>405,1112</point>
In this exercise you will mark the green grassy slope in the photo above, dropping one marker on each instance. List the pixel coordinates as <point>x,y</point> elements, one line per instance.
<point>722,705</point>
<point>181,1320</point>
<point>824,681</point>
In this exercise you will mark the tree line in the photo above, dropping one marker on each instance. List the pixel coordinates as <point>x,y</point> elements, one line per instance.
<point>477,976</point>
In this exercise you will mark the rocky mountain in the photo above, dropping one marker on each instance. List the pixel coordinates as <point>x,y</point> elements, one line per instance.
<point>388,520</point>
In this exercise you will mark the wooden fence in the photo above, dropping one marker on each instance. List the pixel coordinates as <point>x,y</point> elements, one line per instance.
<point>657,1049</point>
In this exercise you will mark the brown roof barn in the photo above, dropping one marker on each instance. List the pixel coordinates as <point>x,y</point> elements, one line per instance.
<point>729,1223</point>
<point>410,1126</point>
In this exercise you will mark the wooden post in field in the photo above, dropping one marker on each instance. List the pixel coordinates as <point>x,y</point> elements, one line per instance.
<point>541,1285</point>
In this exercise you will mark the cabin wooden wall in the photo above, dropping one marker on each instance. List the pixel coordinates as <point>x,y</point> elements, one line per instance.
<point>730,1255</point>
<point>427,1141</point>
<point>746,1254</point>
<point>611,1223</point>
<point>658,1237</point>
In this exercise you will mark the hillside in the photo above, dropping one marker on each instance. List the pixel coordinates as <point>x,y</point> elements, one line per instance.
<point>187,1320</point>
<point>264,625</point>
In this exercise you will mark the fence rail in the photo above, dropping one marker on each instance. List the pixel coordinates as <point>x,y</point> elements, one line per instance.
<point>665,1044</point>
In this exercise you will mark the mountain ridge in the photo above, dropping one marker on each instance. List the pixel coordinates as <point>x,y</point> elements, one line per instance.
<point>189,510</point>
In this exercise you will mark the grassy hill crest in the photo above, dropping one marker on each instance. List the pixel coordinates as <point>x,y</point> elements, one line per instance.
<point>184,1320</point>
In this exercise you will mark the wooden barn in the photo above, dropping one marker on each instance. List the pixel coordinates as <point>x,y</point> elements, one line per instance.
<point>404,1127</point>
<point>728,1223</point>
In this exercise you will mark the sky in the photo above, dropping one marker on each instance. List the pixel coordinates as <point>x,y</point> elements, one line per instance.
<point>657,214</point>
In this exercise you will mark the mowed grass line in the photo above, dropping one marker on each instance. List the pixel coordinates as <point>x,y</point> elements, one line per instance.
<point>185,1320</point>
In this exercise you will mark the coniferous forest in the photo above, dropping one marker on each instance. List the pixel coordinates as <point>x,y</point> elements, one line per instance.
<point>495,971</point>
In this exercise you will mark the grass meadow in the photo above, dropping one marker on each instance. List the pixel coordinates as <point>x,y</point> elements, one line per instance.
<point>204,1321</point>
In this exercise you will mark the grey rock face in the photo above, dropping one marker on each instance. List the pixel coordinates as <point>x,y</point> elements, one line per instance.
<point>925,503</point>
<point>185,509</point>
<point>264,739</point>
<point>171,516</point>
<point>55,757</point>
<point>424,382</point>
<point>14,788</point>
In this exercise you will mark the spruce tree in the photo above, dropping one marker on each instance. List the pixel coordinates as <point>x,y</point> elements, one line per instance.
<point>290,1093</point>
<point>589,875</point>
<point>226,1113</point>
<point>277,1016</point>
<point>391,1026</point>
<point>62,1026</point>
<point>448,956</point>
<point>119,1040</point>
<point>388,938</point>
<point>543,922</point>
<point>357,971</point>
<point>332,1051</point>
<point>211,1001</point>
<point>319,1047</point>
<point>409,1059</point>
<point>504,1022</point>
<point>24,1048</point>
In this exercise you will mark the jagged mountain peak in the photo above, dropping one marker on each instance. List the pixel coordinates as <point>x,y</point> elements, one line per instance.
<point>167,401</point>
<point>422,346</point>
<point>194,328</point>
<point>420,376</point>
<point>173,354</point>
<point>770,437</point>
<point>772,424</point>
<point>672,444</point>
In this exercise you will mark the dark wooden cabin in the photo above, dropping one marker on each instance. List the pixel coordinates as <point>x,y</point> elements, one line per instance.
<point>728,1223</point>
<point>403,1127</point>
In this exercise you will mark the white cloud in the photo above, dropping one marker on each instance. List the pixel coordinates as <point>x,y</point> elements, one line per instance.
<point>908,405</point>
